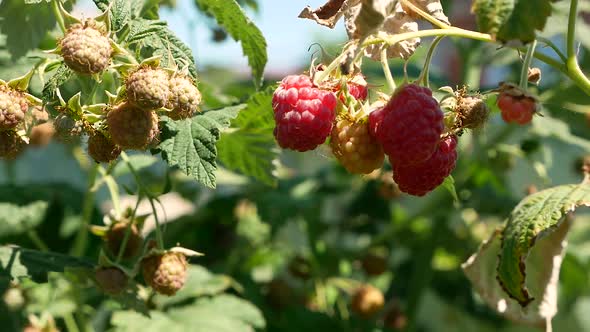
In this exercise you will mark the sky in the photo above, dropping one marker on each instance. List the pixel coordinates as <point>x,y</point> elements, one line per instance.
<point>288,37</point>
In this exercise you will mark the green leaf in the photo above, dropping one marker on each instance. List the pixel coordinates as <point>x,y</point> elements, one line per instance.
<point>61,76</point>
<point>25,25</point>
<point>156,39</point>
<point>224,313</point>
<point>532,218</point>
<point>15,219</point>
<point>232,18</point>
<point>449,185</point>
<point>190,143</point>
<point>26,263</point>
<point>512,19</point>
<point>123,11</point>
<point>250,148</point>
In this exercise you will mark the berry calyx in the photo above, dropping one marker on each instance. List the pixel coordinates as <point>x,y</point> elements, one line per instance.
<point>303,113</point>
<point>148,88</point>
<point>13,107</point>
<point>131,127</point>
<point>184,98</point>
<point>85,49</point>
<point>102,149</point>
<point>409,126</point>
<point>165,272</point>
<point>517,106</point>
<point>367,301</point>
<point>11,144</point>
<point>420,179</point>
<point>355,148</point>
<point>115,236</point>
<point>111,280</point>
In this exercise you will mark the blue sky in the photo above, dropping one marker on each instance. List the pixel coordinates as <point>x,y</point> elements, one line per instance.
<point>287,36</point>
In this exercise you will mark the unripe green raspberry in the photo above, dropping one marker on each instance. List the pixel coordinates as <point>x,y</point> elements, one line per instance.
<point>67,129</point>
<point>165,273</point>
<point>102,149</point>
<point>355,148</point>
<point>11,144</point>
<point>13,107</point>
<point>85,49</point>
<point>184,98</point>
<point>111,280</point>
<point>132,128</point>
<point>148,88</point>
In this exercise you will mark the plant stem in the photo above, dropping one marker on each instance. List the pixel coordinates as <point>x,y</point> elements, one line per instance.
<point>58,17</point>
<point>554,47</point>
<point>71,323</point>
<point>142,189</point>
<point>573,67</point>
<point>528,59</point>
<point>424,76</point>
<point>88,206</point>
<point>34,237</point>
<point>387,70</point>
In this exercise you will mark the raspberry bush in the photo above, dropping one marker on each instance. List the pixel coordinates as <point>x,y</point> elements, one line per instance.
<point>420,175</point>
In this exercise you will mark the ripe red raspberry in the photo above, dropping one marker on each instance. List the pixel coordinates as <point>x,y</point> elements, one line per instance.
<point>419,179</point>
<point>165,273</point>
<point>303,113</point>
<point>411,125</point>
<point>111,280</point>
<point>358,91</point>
<point>354,147</point>
<point>102,149</point>
<point>131,127</point>
<point>516,109</point>
<point>375,119</point>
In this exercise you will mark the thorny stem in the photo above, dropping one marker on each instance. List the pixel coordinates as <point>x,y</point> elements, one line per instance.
<point>142,189</point>
<point>387,70</point>
<point>87,208</point>
<point>528,59</point>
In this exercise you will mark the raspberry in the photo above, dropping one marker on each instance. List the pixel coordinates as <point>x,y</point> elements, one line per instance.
<point>472,111</point>
<point>111,280</point>
<point>86,49</point>
<point>66,128</point>
<point>13,107</point>
<point>352,145</point>
<point>374,263</point>
<point>102,149</point>
<point>515,109</point>
<point>303,113</point>
<point>184,98</point>
<point>358,91</point>
<point>148,88</point>
<point>411,125</point>
<point>11,144</point>
<point>41,134</point>
<point>367,301</point>
<point>115,236</point>
<point>419,179</point>
<point>165,273</point>
<point>131,127</point>
<point>375,119</point>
